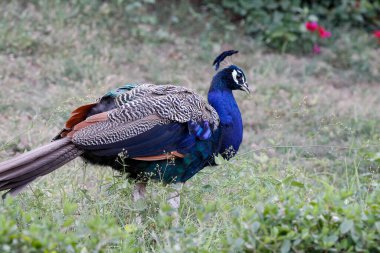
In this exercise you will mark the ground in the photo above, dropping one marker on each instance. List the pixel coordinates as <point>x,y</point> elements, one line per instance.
<point>306,176</point>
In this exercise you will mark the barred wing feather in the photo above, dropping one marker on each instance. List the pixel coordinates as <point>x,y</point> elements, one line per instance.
<point>149,120</point>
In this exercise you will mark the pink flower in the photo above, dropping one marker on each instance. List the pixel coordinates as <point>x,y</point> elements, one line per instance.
<point>311,26</point>
<point>323,33</point>
<point>377,34</point>
<point>316,49</point>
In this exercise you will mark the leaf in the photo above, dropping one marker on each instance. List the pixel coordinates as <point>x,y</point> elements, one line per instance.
<point>313,18</point>
<point>285,247</point>
<point>288,180</point>
<point>269,180</point>
<point>377,225</point>
<point>69,208</point>
<point>255,226</point>
<point>375,157</point>
<point>84,250</point>
<point>68,222</point>
<point>297,184</point>
<point>219,160</point>
<point>330,240</point>
<point>346,226</point>
<point>130,228</point>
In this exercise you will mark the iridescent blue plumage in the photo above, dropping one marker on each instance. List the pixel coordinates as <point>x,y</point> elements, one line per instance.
<point>197,141</point>
<point>220,96</point>
<point>116,92</point>
<point>161,132</point>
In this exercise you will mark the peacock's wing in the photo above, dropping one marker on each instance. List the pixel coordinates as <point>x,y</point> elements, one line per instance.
<point>104,103</point>
<point>149,120</point>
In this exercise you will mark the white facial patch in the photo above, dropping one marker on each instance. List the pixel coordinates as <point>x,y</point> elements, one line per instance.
<point>242,76</point>
<point>234,74</point>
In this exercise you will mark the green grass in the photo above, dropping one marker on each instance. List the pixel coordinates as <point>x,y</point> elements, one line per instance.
<point>305,180</point>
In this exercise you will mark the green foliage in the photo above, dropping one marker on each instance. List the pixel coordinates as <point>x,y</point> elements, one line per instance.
<point>277,23</point>
<point>256,213</point>
<point>37,230</point>
<point>280,24</point>
<point>350,13</point>
<point>332,221</point>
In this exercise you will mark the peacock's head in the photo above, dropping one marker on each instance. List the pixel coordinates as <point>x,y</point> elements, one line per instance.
<point>233,76</point>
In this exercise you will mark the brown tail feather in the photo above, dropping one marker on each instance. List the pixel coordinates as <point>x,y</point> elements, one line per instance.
<point>35,165</point>
<point>16,173</point>
<point>34,154</point>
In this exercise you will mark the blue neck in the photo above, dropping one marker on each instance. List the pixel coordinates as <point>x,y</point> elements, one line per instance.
<point>231,125</point>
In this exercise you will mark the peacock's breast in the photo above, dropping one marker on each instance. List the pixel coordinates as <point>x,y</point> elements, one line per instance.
<point>231,137</point>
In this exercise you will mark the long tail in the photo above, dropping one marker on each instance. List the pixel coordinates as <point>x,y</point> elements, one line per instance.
<point>18,172</point>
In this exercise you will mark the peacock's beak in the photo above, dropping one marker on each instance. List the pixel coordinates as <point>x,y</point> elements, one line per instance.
<point>245,88</point>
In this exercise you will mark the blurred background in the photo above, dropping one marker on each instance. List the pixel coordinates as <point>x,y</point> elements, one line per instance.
<point>311,126</point>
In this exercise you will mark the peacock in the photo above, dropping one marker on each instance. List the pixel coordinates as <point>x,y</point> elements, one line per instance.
<point>150,132</point>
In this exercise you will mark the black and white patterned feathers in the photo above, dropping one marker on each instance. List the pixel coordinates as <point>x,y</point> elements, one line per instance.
<point>145,107</point>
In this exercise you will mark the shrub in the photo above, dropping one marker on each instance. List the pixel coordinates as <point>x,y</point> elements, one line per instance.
<point>280,24</point>
<point>332,222</point>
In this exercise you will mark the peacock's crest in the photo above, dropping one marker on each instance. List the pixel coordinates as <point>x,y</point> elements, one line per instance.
<point>222,56</point>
